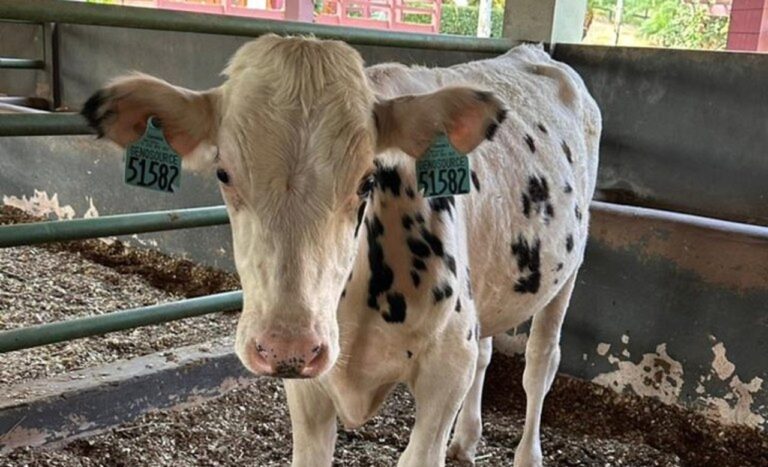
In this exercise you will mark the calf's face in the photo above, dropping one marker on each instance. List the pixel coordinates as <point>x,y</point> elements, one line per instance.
<point>291,136</point>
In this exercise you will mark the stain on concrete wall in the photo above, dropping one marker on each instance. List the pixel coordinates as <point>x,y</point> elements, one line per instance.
<point>42,205</point>
<point>660,376</point>
<point>656,374</point>
<point>736,404</point>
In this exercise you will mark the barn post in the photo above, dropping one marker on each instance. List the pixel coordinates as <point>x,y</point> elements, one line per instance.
<point>300,10</point>
<point>548,21</point>
<point>484,15</point>
<point>748,30</point>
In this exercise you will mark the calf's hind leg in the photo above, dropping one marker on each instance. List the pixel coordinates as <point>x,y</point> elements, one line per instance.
<point>542,357</point>
<point>469,424</point>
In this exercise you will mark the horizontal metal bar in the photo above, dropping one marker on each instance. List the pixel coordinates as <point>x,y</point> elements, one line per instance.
<point>711,225</point>
<point>106,226</point>
<point>26,101</point>
<point>51,333</point>
<point>12,21</point>
<point>21,109</point>
<point>147,18</point>
<point>22,63</point>
<point>41,125</point>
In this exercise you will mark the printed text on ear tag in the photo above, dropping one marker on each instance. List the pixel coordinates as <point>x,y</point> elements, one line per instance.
<point>151,162</point>
<point>442,170</point>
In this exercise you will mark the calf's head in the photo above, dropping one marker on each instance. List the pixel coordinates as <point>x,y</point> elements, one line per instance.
<point>291,136</point>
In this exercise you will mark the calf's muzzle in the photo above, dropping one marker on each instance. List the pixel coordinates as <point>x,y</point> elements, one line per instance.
<point>287,357</point>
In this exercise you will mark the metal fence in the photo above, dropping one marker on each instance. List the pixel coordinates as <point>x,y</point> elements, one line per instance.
<point>47,124</point>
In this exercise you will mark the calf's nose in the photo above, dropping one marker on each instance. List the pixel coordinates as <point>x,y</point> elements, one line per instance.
<point>295,357</point>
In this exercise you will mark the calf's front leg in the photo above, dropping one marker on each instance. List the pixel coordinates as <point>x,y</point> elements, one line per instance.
<point>469,424</point>
<point>444,376</point>
<point>313,423</point>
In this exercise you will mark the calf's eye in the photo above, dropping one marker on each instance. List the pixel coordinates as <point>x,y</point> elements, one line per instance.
<point>365,186</point>
<point>223,176</point>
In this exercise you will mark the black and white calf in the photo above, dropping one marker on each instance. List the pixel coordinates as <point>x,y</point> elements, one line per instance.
<point>351,278</point>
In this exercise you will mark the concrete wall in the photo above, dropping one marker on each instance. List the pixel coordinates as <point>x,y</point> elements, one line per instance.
<point>685,131</point>
<point>673,308</point>
<point>186,59</point>
<point>23,41</point>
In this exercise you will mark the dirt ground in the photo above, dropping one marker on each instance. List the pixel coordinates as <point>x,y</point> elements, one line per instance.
<point>583,424</point>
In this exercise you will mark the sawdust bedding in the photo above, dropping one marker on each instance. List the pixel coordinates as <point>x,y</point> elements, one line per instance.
<point>583,425</point>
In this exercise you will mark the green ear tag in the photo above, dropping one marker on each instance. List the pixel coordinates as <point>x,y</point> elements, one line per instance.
<point>442,170</point>
<point>151,162</point>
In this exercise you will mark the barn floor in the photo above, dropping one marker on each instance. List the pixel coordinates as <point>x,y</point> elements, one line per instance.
<point>584,424</point>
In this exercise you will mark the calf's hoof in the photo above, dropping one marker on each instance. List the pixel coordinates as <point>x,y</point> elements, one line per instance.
<point>461,455</point>
<point>521,461</point>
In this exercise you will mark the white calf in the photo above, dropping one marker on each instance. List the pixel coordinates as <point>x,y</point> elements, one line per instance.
<point>350,276</point>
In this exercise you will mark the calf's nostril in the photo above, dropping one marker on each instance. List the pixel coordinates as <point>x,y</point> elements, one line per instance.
<point>316,362</point>
<point>259,360</point>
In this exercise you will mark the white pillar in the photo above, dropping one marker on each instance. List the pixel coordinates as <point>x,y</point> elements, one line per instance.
<point>484,18</point>
<point>549,21</point>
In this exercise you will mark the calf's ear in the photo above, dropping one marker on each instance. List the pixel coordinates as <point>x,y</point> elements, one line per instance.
<point>189,119</point>
<point>466,115</point>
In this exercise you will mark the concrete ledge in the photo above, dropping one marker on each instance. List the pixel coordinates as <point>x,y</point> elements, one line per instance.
<point>673,306</point>
<point>95,399</point>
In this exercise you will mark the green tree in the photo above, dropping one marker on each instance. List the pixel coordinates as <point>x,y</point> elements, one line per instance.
<point>497,4</point>
<point>673,23</point>
<point>463,21</point>
<point>605,5</point>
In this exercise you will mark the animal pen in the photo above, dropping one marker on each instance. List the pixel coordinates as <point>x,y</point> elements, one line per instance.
<point>671,303</point>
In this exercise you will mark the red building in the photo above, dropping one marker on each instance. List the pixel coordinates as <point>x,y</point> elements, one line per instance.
<point>749,26</point>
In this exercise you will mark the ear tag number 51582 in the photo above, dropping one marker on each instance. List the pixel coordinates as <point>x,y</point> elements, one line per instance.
<point>151,162</point>
<point>442,170</point>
